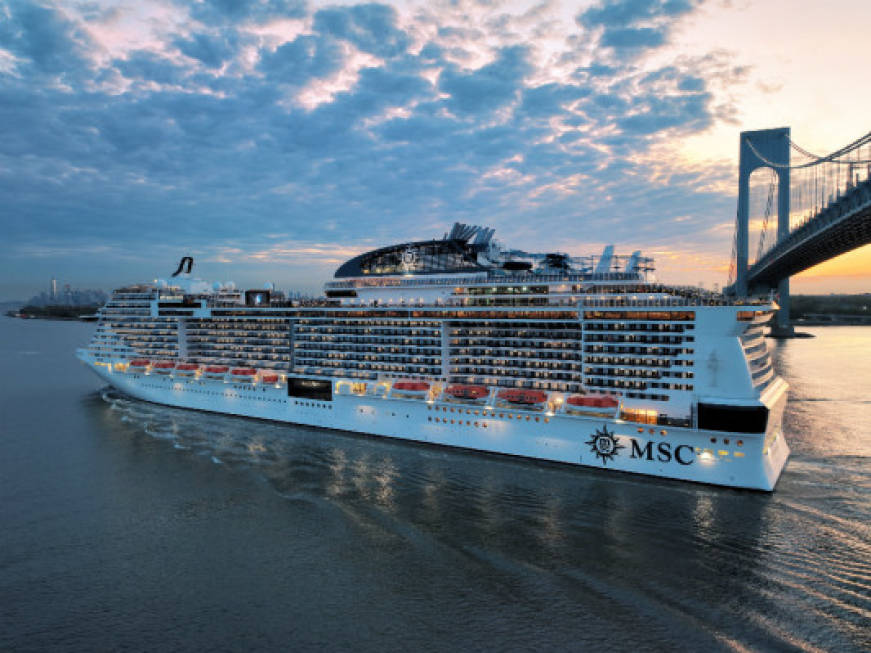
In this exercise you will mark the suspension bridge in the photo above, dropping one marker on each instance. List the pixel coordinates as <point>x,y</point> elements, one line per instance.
<point>823,211</point>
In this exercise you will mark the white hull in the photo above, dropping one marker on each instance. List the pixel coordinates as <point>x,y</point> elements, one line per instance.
<point>713,457</point>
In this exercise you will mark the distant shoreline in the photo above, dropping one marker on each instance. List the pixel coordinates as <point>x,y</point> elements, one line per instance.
<point>835,321</point>
<point>48,317</point>
<point>61,313</point>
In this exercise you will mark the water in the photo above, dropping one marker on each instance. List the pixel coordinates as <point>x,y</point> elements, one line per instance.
<point>128,525</point>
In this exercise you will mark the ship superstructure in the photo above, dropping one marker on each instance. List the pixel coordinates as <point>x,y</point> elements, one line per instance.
<point>459,341</point>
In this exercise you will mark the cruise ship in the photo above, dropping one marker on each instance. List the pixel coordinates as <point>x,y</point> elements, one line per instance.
<point>459,341</point>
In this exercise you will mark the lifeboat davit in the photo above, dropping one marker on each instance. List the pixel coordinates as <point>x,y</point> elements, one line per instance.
<point>467,392</point>
<point>414,388</point>
<point>243,374</point>
<point>186,369</point>
<point>163,367</point>
<point>269,377</point>
<point>140,363</point>
<point>216,371</point>
<point>523,397</point>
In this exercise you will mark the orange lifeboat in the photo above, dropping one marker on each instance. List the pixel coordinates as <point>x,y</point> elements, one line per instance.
<point>413,388</point>
<point>269,377</point>
<point>521,396</point>
<point>140,362</point>
<point>243,373</point>
<point>186,369</point>
<point>163,367</point>
<point>216,371</point>
<point>467,392</point>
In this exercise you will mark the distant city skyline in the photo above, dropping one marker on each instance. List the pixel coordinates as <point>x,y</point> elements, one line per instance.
<point>272,140</point>
<point>68,295</point>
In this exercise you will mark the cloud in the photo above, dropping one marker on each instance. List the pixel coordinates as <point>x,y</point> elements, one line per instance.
<point>43,39</point>
<point>305,57</point>
<point>144,65</point>
<point>232,11</point>
<point>489,87</point>
<point>550,99</point>
<point>210,49</point>
<point>633,37</point>
<point>620,13</point>
<point>195,135</point>
<point>370,27</point>
<point>634,24</point>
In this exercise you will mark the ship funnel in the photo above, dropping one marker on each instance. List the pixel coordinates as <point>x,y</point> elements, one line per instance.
<point>190,264</point>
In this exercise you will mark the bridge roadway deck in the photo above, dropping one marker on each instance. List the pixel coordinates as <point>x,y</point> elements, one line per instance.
<point>839,228</point>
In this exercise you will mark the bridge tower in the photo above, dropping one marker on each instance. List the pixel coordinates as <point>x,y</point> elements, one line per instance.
<point>758,150</point>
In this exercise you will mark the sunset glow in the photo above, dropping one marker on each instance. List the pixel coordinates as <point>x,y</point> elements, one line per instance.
<point>271,139</point>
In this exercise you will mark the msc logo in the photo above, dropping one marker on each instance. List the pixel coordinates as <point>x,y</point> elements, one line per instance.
<point>604,444</point>
<point>683,454</point>
<point>410,257</point>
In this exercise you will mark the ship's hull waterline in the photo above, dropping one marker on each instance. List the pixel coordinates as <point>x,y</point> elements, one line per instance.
<point>739,460</point>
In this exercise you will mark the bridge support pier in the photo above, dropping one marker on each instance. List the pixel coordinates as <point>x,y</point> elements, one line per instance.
<point>781,326</point>
<point>757,149</point>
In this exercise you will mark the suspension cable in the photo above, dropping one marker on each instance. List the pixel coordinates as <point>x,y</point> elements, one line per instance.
<point>833,158</point>
<point>768,206</point>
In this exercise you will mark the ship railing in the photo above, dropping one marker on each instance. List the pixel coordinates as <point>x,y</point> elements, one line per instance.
<point>687,297</point>
<point>493,276</point>
<point>517,345</point>
<point>359,355</point>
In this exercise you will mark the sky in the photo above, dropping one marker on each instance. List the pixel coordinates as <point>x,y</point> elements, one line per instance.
<point>273,139</point>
